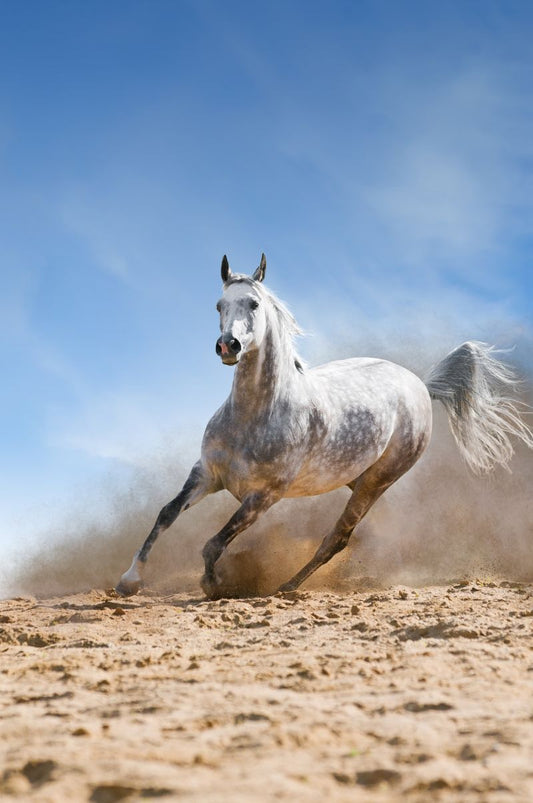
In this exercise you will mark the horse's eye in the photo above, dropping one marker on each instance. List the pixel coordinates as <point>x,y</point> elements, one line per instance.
<point>254,304</point>
<point>219,306</point>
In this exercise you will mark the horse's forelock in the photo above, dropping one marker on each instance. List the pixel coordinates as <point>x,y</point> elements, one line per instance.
<point>284,315</point>
<point>240,278</point>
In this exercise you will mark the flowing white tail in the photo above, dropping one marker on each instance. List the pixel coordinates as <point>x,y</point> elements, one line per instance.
<point>472,385</point>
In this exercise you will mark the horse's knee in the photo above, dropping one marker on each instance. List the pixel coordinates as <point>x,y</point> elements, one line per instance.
<point>168,514</point>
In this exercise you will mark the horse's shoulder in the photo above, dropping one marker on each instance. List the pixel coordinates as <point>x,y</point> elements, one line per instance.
<point>217,422</point>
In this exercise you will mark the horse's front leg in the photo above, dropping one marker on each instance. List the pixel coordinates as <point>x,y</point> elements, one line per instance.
<point>196,487</point>
<point>252,506</point>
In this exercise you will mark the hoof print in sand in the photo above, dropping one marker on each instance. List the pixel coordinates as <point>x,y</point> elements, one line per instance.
<point>39,772</point>
<point>377,777</point>
<point>111,793</point>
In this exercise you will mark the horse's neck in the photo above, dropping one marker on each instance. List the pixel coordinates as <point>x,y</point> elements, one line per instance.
<point>264,377</point>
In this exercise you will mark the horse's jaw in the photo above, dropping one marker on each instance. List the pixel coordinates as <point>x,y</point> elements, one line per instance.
<point>246,356</point>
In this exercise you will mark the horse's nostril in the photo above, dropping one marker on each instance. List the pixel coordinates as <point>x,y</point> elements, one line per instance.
<point>224,346</point>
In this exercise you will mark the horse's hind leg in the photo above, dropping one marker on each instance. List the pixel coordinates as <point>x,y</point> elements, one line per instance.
<point>365,491</point>
<point>196,487</point>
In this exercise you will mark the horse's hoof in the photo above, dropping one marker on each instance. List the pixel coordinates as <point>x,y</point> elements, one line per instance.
<point>127,588</point>
<point>286,587</point>
<point>210,588</point>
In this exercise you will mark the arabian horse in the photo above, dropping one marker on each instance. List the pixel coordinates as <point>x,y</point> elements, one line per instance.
<point>287,430</point>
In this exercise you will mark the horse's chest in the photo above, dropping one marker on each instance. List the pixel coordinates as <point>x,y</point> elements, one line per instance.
<point>245,461</point>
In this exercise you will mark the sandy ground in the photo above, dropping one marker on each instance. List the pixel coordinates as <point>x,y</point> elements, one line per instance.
<point>378,694</point>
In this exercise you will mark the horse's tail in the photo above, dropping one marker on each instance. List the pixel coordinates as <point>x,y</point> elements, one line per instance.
<point>472,386</point>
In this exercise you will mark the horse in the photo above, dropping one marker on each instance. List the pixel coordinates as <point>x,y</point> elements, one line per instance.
<point>287,430</point>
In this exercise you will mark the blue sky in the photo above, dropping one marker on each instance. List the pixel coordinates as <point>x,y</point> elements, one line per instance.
<point>380,153</point>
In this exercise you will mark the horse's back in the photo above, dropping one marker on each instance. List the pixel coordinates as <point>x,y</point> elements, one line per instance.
<point>376,386</point>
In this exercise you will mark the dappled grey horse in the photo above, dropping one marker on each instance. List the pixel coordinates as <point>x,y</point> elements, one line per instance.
<point>289,431</point>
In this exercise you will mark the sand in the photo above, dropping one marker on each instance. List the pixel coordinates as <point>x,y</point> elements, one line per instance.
<point>377,694</point>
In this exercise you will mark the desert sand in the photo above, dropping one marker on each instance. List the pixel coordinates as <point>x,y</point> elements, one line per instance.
<point>403,670</point>
<point>373,694</point>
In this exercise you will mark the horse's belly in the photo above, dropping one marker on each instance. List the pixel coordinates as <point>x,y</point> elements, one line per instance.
<point>320,476</point>
<point>314,477</point>
<point>315,485</point>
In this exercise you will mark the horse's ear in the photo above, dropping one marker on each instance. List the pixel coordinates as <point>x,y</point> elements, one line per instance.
<point>259,273</point>
<point>225,270</point>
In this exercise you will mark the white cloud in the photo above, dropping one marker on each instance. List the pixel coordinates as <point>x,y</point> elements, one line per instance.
<point>453,186</point>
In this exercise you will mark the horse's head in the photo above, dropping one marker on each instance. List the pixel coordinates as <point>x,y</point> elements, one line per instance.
<point>242,313</point>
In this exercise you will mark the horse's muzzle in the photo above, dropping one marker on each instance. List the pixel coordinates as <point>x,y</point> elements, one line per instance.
<point>228,349</point>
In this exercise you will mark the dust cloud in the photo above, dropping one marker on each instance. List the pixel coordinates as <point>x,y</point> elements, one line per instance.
<point>437,523</point>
